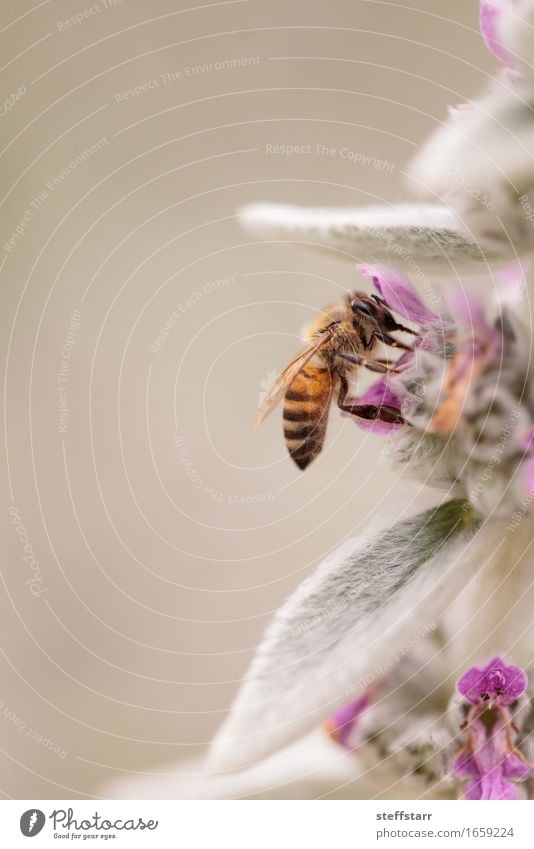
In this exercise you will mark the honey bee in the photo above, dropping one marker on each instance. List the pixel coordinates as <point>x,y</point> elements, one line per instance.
<point>340,340</point>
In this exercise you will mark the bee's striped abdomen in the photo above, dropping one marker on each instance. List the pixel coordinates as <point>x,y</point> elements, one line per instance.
<point>306,406</point>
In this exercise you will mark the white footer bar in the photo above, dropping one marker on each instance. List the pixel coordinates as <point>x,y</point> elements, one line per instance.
<point>268,824</point>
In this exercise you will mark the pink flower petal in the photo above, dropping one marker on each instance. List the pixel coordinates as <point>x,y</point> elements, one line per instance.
<point>495,786</point>
<point>491,14</point>
<point>473,790</point>
<point>516,767</point>
<point>495,680</point>
<point>399,294</point>
<point>480,339</point>
<point>341,724</point>
<point>489,757</point>
<point>512,276</point>
<point>378,394</point>
<point>469,310</point>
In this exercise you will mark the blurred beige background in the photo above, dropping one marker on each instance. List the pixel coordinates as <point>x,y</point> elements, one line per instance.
<point>160,532</point>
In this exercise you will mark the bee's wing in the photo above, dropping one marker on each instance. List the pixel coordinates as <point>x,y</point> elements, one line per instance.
<point>286,378</point>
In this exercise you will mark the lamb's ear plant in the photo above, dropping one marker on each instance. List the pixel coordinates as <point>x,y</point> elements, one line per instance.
<point>480,163</point>
<point>425,233</point>
<point>372,643</point>
<point>350,617</point>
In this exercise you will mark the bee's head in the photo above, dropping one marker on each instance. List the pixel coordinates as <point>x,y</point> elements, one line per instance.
<point>373,308</point>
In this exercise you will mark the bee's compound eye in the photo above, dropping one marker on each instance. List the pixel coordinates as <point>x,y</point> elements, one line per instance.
<point>362,306</point>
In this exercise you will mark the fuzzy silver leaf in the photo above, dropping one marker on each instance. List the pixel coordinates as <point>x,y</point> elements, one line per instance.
<point>349,619</point>
<point>480,163</point>
<point>516,32</point>
<point>414,232</point>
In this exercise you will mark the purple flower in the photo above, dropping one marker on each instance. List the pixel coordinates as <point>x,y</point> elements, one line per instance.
<point>402,298</point>
<point>495,681</point>
<point>478,345</point>
<point>488,756</point>
<point>379,394</point>
<point>491,15</point>
<point>490,760</point>
<point>463,393</point>
<point>399,294</point>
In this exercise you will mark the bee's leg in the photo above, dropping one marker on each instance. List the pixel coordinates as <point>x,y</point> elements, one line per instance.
<point>389,363</point>
<point>406,329</point>
<point>384,337</point>
<point>370,412</point>
<point>373,413</point>
<point>380,366</point>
